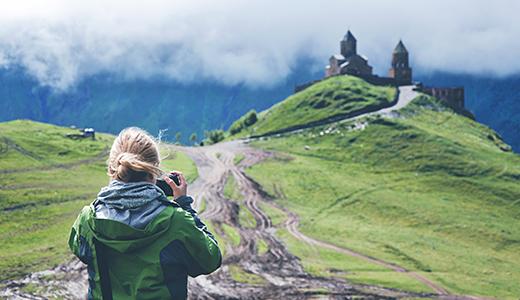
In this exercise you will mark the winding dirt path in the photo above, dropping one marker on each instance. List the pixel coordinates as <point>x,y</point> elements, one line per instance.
<point>282,272</point>
<point>292,225</point>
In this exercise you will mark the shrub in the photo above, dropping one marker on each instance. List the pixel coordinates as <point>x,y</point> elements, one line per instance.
<point>214,136</point>
<point>245,121</point>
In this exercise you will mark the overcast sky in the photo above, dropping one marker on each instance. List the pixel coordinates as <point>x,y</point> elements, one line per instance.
<point>59,42</point>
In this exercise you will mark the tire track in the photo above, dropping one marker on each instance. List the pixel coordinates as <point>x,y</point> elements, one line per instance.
<point>283,272</point>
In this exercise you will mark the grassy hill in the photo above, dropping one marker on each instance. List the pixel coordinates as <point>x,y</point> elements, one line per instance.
<point>45,179</point>
<point>330,98</point>
<point>431,190</point>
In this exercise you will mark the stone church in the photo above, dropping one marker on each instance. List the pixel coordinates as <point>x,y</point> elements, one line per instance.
<point>351,63</point>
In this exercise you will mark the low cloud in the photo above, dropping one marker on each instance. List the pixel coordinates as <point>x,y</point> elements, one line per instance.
<point>255,42</point>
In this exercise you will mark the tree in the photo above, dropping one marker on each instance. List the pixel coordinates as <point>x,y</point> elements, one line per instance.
<point>245,121</point>
<point>178,137</point>
<point>214,136</point>
<point>250,118</point>
<point>193,138</point>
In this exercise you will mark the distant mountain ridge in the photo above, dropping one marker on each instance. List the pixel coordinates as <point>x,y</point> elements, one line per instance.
<point>110,104</point>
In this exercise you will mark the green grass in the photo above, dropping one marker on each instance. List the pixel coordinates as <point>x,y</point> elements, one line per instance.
<point>45,179</point>
<point>276,215</point>
<point>202,206</point>
<point>231,190</point>
<point>431,191</point>
<point>221,239</point>
<point>238,274</point>
<point>261,247</point>
<point>231,234</point>
<point>246,218</point>
<point>238,158</point>
<point>176,160</point>
<point>331,97</point>
<point>328,263</point>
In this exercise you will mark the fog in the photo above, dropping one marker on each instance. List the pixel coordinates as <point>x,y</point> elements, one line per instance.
<point>256,43</point>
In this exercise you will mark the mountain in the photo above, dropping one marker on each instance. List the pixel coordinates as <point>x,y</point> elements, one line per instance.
<point>110,104</point>
<point>426,189</point>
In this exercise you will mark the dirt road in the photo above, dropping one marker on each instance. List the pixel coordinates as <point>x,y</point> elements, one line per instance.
<point>283,273</point>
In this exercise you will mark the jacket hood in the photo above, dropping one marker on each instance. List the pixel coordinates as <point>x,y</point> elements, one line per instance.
<point>128,216</point>
<point>129,195</point>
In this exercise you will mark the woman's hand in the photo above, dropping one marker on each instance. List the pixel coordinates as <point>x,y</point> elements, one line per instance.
<point>178,190</point>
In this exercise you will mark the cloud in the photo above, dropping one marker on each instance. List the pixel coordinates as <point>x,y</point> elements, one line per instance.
<point>255,42</point>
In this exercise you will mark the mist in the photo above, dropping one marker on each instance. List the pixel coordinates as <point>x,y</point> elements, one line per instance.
<point>256,43</point>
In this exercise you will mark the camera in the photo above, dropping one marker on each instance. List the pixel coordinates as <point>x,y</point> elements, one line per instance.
<point>163,185</point>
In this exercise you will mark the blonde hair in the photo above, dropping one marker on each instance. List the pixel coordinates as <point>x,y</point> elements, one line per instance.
<point>134,156</point>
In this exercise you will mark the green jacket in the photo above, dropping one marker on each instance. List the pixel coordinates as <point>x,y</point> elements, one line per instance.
<point>129,260</point>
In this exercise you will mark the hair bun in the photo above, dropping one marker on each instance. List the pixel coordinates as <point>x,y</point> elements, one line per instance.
<point>134,156</point>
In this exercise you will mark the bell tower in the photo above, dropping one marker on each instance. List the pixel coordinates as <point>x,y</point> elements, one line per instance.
<point>348,45</point>
<point>400,70</point>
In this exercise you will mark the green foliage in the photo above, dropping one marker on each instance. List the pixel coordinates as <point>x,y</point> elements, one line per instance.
<point>332,97</point>
<point>178,136</point>
<point>244,122</point>
<point>429,191</point>
<point>193,138</point>
<point>45,179</point>
<point>214,136</point>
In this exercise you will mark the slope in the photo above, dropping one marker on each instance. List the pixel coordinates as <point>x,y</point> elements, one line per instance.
<point>330,99</point>
<point>45,179</point>
<point>429,190</point>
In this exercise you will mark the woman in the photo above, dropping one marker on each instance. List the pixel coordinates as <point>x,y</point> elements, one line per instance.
<point>136,243</point>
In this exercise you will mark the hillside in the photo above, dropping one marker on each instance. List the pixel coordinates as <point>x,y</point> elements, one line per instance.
<point>409,205</point>
<point>494,101</point>
<point>334,97</point>
<point>45,179</point>
<point>431,191</point>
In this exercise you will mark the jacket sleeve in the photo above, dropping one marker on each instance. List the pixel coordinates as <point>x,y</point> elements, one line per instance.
<point>77,243</point>
<point>200,243</point>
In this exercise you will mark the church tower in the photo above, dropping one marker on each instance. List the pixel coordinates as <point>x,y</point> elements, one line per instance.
<point>400,70</point>
<point>348,45</point>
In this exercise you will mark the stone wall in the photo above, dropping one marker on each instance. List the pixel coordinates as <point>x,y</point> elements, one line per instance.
<point>453,96</point>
